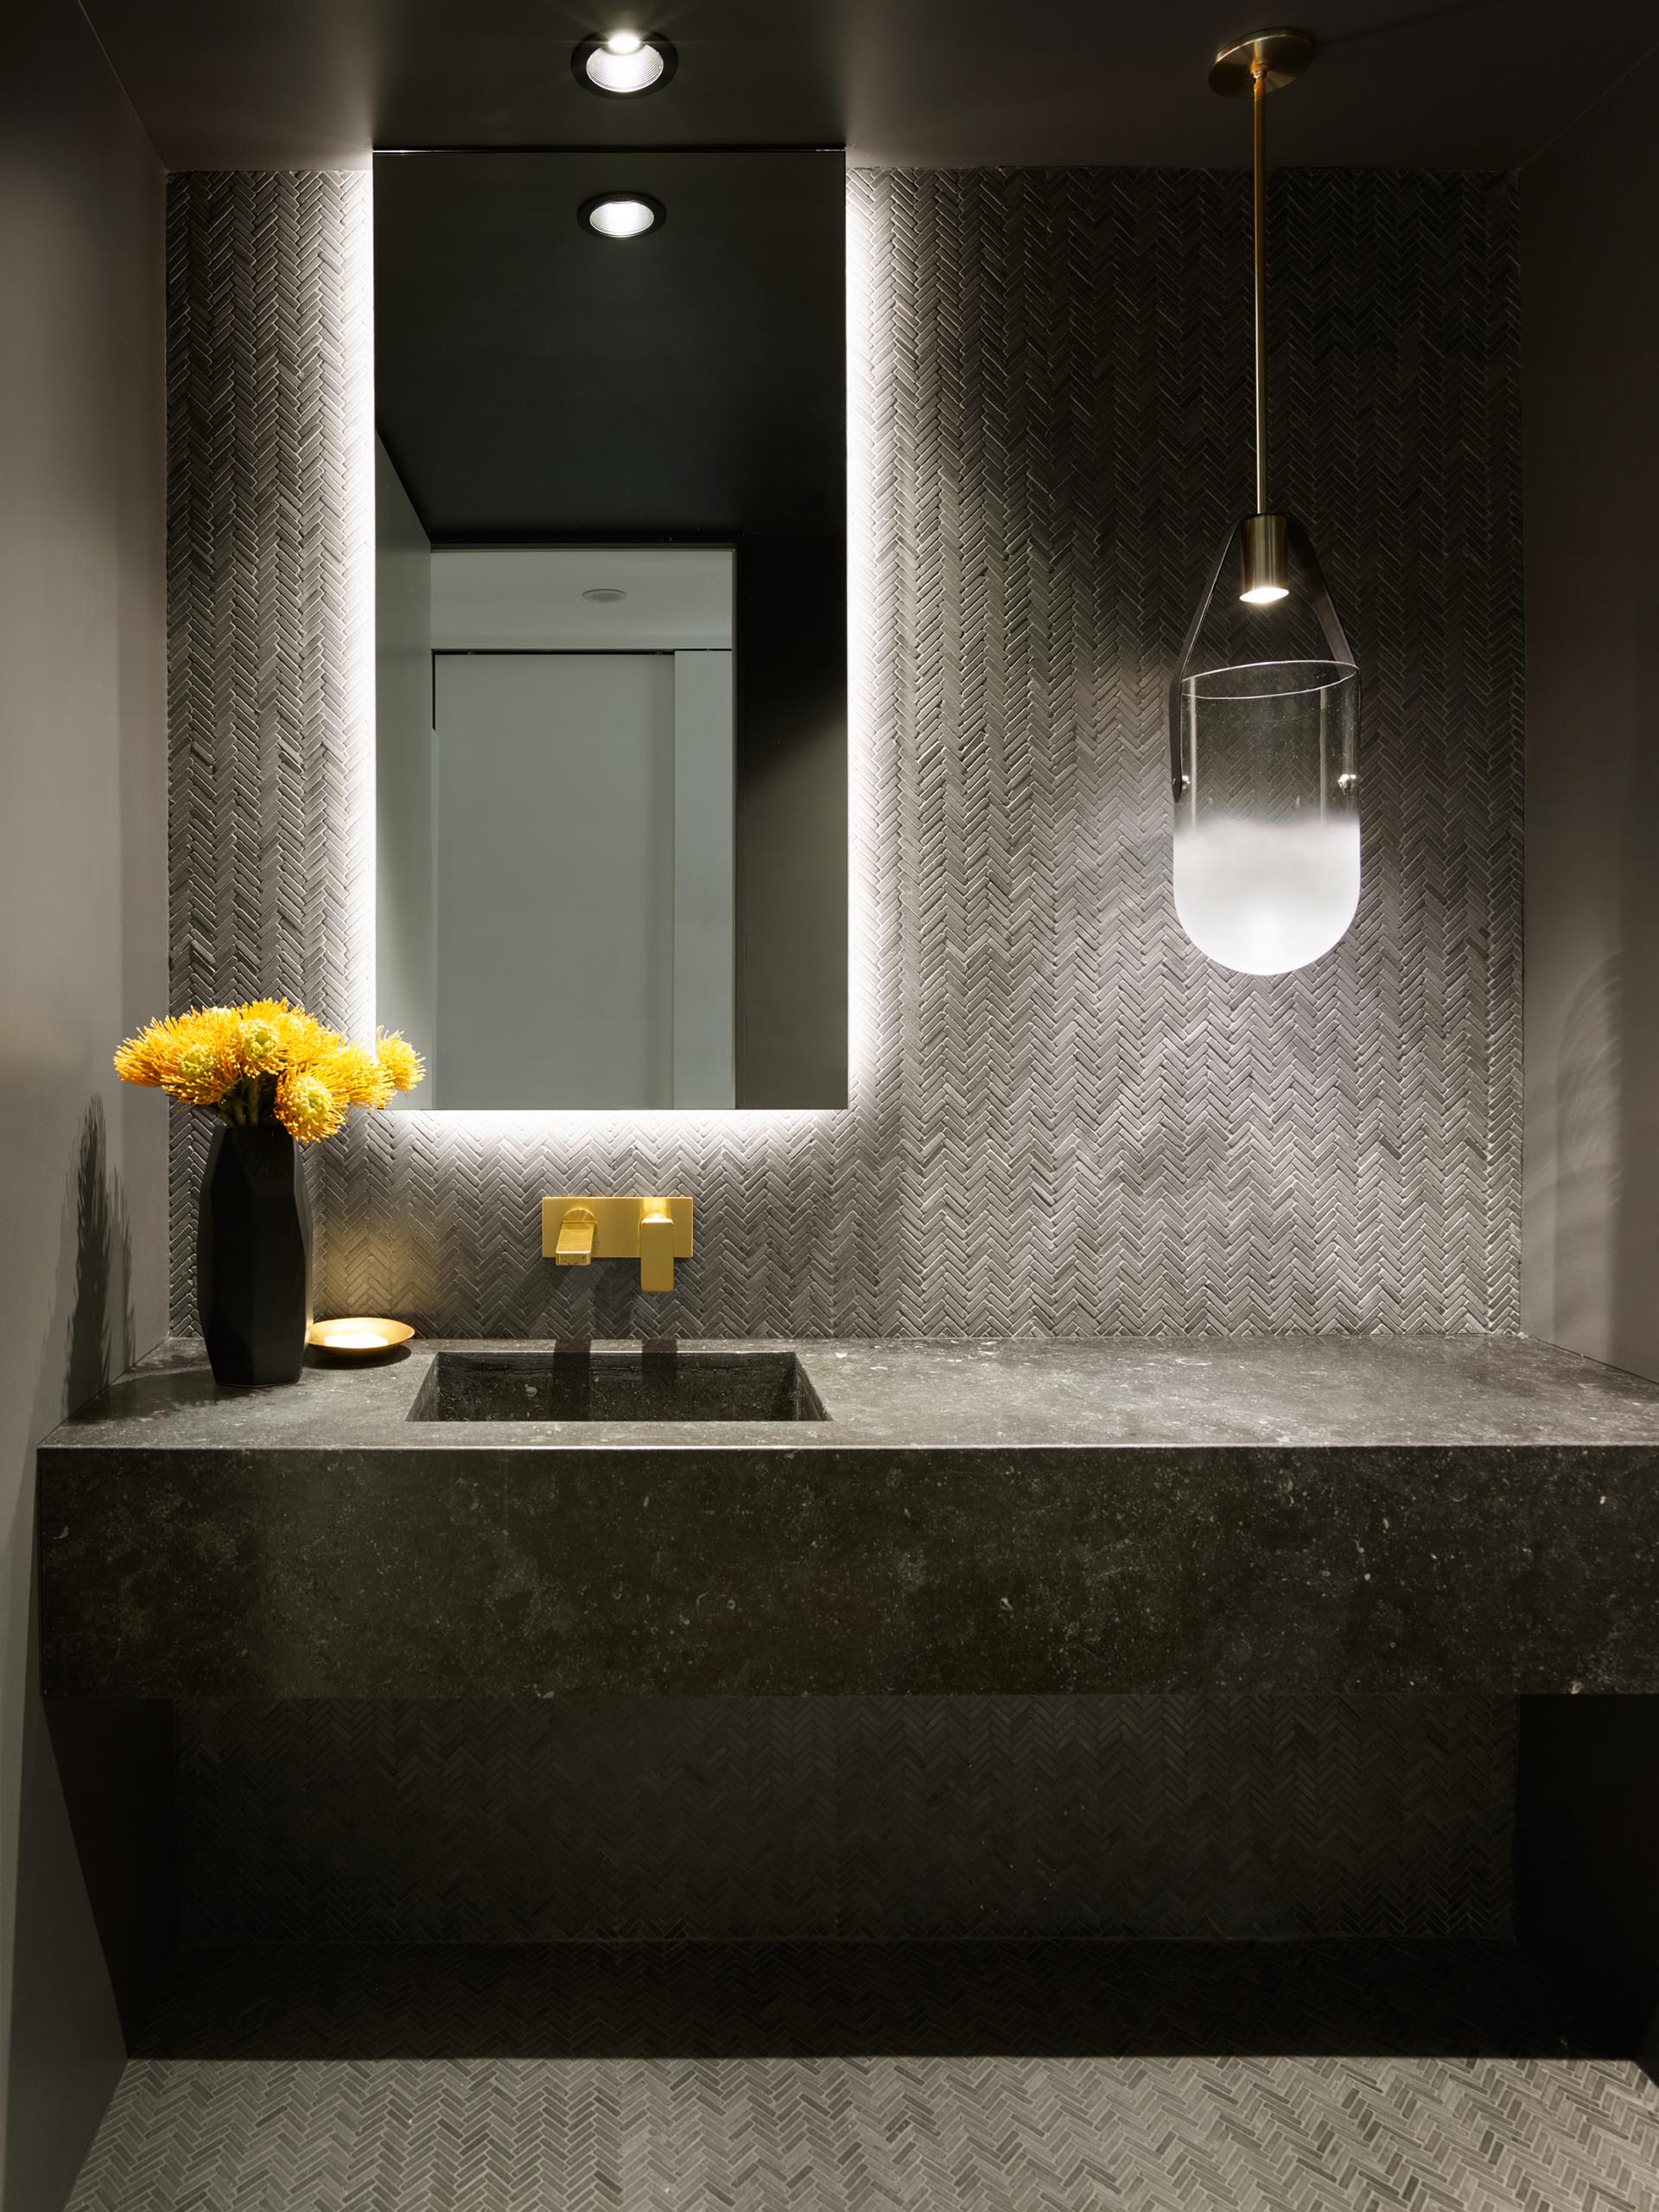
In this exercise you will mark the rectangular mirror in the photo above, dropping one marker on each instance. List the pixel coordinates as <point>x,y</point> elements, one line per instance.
<point>611,748</point>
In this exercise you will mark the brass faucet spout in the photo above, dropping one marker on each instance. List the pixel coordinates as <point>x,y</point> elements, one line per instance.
<point>576,1245</point>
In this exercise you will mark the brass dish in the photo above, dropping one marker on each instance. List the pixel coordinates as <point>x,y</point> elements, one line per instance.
<point>357,1338</point>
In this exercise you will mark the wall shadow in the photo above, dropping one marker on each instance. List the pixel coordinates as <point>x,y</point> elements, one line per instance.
<point>1634,1335</point>
<point>87,1799</point>
<point>1586,1155</point>
<point>101,1338</point>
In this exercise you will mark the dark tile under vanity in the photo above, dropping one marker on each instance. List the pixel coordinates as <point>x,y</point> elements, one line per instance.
<point>799,2000</point>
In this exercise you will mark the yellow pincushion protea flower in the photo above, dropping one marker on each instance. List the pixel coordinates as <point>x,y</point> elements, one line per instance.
<point>354,1074</point>
<point>262,1042</point>
<point>306,1105</point>
<point>194,1056</point>
<point>151,1056</point>
<point>401,1065</point>
<point>268,1061</point>
<point>203,1072</point>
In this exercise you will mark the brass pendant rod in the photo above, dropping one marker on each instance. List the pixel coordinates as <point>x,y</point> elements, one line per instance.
<point>1259,89</point>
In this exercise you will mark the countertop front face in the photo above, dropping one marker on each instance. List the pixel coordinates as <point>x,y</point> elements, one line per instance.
<point>1164,1394</point>
<point>1330,1514</point>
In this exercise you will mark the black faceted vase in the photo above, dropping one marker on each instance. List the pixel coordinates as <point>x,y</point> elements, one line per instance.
<point>253,1256</point>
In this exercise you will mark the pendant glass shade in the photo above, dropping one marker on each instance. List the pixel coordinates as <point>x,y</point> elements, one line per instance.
<point>1267,831</point>
<point>1264,757</point>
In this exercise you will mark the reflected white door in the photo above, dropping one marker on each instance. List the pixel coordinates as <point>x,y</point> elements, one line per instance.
<point>555,879</point>
<point>560,841</point>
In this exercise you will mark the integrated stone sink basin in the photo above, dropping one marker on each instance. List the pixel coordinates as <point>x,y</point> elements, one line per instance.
<point>606,1386</point>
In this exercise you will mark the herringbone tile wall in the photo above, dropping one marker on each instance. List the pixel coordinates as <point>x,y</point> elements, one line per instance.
<point>1063,1121</point>
<point>769,1818</point>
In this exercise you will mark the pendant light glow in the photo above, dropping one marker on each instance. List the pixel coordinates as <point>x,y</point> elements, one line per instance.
<point>1263,752</point>
<point>1263,888</point>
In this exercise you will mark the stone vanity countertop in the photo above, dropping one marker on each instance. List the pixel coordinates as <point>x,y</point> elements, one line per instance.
<point>1276,1515</point>
<point>1111,1394</point>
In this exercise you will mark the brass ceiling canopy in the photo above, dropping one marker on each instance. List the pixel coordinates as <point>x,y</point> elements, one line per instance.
<point>1262,63</point>
<point>1280,56</point>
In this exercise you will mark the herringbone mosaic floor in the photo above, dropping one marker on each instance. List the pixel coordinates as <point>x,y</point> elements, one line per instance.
<point>1007,2135</point>
<point>1222,2114</point>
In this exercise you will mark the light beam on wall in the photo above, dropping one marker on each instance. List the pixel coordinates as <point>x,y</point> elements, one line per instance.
<point>357,297</point>
<point>356,619</point>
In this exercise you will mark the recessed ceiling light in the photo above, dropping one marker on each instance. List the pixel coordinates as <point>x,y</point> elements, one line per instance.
<point>621,64</point>
<point>622,214</point>
<point>604,595</point>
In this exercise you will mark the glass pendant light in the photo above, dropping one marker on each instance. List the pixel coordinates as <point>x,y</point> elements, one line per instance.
<point>1263,750</point>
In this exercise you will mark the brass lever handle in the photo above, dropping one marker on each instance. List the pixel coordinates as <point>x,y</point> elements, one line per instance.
<point>656,1245</point>
<point>575,1246</point>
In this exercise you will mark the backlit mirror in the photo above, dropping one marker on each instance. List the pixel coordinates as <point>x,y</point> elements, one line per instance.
<point>611,626</point>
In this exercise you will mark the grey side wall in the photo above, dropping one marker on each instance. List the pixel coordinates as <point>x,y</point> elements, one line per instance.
<point>83,896</point>
<point>1591,1273</point>
<point>1063,1121</point>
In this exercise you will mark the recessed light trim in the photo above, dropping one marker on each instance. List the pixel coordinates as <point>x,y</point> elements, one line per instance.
<point>604,595</point>
<point>621,214</point>
<point>623,64</point>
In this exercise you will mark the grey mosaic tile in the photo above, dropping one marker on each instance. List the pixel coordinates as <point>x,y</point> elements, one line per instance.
<point>1064,1121</point>
<point>1245,2122</point>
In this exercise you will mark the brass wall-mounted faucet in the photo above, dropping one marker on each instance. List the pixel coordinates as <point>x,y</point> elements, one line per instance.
<point>575,1246</point>
<point>654,1232</point>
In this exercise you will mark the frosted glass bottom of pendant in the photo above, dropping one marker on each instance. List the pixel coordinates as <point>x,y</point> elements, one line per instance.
<point>1266,897</point>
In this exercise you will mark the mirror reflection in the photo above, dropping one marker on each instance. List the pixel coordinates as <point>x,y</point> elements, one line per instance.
<point>610,719</point>
<point>577,812</point>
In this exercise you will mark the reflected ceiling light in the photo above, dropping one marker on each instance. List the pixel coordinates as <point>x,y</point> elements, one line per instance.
<point>620,65</point>
<point>1263,750</point>
<point>622,214</point>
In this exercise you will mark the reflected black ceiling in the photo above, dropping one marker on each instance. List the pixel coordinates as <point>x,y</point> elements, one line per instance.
<point>533,381</point>
<point>1441,84</point>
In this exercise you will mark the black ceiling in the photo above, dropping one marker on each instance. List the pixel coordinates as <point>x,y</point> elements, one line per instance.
<point>533,381</point>
<point>1431,84</point>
